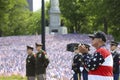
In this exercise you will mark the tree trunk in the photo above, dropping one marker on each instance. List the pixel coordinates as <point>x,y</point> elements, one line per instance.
<point>79,28</point>
<point>0,32</point>
<point>71,29</point>
<point>75,28</point>
<point>105,25</point>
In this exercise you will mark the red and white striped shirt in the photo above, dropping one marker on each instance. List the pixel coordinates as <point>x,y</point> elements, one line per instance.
<point>100,66</point>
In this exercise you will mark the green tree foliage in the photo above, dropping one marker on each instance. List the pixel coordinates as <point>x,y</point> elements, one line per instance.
<point>16,19</point>
<point>13,15</point>
<point>34,23</point>
<point>74,12</point>
<point>87,16</point>
<point>4,8</point>
<point>98,13</point>
<point>114,17</point>
<point>106,14</point>
<point>81,16</point>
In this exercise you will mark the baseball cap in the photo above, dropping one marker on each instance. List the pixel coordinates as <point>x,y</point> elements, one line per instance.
<point>99,35</point>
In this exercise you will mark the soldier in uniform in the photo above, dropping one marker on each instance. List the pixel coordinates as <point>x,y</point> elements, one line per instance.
<point>42,62</point>
<point>30,64</point>
<point>116,59</point>
<point>77,62</point>
<point>77,65</point>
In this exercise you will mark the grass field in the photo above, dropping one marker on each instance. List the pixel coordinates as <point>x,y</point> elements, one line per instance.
<point>13,78</point>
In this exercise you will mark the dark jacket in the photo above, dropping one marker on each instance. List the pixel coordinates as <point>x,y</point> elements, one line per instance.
<point>116,59</point>
<point>41,62</point>
<point>77,63</point>
<point>30,65</point>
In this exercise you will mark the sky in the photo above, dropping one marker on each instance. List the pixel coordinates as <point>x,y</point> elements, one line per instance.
<point>37,4</point>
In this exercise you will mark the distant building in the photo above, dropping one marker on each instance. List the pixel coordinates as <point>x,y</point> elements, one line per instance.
<point>30,4</point>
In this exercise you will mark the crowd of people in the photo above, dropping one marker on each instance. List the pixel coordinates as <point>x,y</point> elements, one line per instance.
<point>13,54</point>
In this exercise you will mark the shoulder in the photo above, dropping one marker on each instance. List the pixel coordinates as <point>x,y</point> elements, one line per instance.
<point>104,52</point>
<point>117,54</point>
<point>103,49</point>
<point>77,56</point>
<point>33,56</point>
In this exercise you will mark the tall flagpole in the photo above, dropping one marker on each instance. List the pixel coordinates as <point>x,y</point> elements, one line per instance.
<point>43,24</point>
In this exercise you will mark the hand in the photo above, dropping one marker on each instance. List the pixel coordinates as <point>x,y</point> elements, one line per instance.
<point>83,49</point>
<point>73,64</point>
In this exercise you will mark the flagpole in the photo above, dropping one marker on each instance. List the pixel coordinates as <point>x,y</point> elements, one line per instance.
<point>43,25</point>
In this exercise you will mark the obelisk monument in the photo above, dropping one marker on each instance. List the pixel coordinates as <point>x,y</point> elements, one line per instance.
<point>55,21</point>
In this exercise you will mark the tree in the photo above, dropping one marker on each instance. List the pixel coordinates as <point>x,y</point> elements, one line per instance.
<point>106,14</point>
<point>13,15</point>
<point>16,19</point>
<point>74,13</point>
<point>114,17</point>
<point>4,16</point>
<point>34,23</point>
<point>98,13</point>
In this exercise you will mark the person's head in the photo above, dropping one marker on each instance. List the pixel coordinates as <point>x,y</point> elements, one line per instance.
<point>113,45</point>
<point>29,49</point>
<point>87,47</point>
<point>98,39</point>
<point>38,46</point>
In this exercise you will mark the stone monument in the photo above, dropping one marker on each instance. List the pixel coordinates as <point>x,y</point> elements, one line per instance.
<point>55,21</point>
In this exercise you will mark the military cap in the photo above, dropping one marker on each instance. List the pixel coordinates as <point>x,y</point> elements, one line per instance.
<point>30,47</point>
<point>38,44</point>
<point>86,45</point>
<point>114,43</point>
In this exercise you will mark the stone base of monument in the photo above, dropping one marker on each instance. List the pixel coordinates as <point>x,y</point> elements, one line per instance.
<point>46,30</point>
<point>63,30</point>
<point>56,30</point>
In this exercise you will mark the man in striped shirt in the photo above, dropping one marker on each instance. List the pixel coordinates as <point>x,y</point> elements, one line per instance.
<point>100,65</point>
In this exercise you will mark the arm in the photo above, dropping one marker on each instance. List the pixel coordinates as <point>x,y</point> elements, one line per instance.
<point>46,60</point>
<point>77,63</point>
<point>92,63</point>
<point>116,61</point>
<point>33,60</point>
<point>117,58</point>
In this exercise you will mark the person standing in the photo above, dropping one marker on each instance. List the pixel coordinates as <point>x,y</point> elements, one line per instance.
<point>42,62</point>
<point>100,65</point>
<point>77,62</point>
<point>77,65</point>
<point>30,64</point>
<point>116,59</point>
